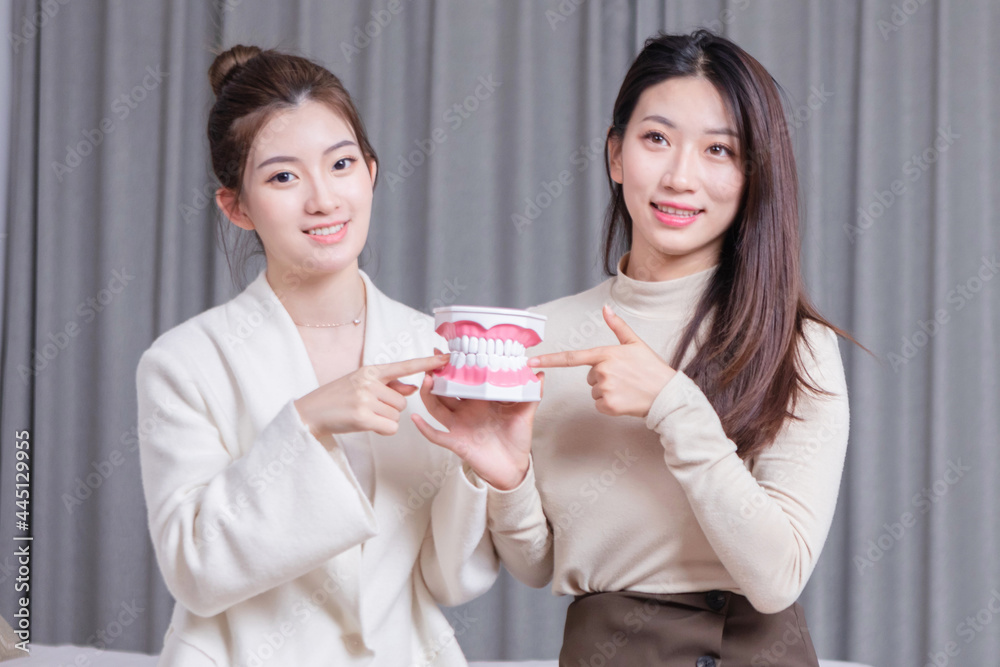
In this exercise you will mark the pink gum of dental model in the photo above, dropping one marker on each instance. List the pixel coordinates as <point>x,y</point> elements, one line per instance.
<point>487,347</point>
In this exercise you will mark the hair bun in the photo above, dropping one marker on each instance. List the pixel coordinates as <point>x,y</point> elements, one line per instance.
<point>227,62</point>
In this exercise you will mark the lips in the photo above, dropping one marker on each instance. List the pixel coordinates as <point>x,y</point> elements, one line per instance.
<point>327,233</point>
<point>675,215</point>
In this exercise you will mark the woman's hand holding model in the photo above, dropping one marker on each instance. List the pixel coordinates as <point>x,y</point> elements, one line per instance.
<point>369,399</point>
<point>492,438</point>
<point>625,379</point>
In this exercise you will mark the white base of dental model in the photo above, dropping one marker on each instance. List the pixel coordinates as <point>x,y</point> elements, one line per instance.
<point>487,392</point>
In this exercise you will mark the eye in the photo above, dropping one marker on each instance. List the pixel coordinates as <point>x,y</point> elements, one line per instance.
<point>344,163</point>
<point>282,177</point>
<point>720,150</point>
<point>655,137</point>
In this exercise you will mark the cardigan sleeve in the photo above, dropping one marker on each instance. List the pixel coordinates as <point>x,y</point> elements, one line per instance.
<point>227,528</point>
<point>457,558</point>
<point>767,522</point>
<point>472,523</point>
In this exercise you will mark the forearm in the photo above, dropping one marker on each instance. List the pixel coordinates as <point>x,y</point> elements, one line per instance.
<point>226,530</point>
<point>768,526</point>
<point>521,533</point>
<point>457,558</point>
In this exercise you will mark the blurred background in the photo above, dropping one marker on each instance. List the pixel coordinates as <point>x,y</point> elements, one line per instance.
<point>488,118</point>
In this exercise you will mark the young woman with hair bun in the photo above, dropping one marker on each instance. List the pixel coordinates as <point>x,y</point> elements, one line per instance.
<point>297,515</point>
<point>689,445</point>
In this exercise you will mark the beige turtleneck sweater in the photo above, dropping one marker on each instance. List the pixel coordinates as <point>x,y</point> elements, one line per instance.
<point>665,505</point>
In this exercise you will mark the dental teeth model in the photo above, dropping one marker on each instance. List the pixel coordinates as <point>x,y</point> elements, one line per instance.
<point>487,348</point>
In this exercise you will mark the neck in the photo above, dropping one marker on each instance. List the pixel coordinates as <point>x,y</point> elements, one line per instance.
<point>647,265</point>
<point>321,298</point>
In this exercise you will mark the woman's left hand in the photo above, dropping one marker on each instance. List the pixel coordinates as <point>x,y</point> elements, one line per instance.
<point>625,378</point>
<point>493,438</point>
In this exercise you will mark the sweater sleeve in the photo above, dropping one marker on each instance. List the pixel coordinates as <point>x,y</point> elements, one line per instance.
<point>517,532</point>
<point>225,529</point>
<point>521,533</point>
<point>457,558</point>
<point>767,526</point>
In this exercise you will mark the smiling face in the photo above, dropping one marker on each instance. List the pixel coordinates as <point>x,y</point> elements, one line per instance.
<point>306,191</point>
<point>681,173</point>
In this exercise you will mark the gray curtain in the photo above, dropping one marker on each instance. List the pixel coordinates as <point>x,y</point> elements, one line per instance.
<point>476,109</point>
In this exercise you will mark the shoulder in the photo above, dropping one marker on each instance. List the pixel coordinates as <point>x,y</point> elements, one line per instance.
<point>818,342</point>
<point>595,295</point>
<point>204,339</point>
<point>819,359</point>
<point>180,356</point>
<point>575,309</point>
<point>399,311</point>
<point>400,331</point>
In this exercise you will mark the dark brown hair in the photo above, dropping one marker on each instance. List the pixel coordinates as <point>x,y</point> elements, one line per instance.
<point>252,85</point>
<point>748,366</point>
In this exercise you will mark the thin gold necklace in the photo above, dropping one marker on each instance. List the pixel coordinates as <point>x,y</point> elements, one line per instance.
<point>356,321</point>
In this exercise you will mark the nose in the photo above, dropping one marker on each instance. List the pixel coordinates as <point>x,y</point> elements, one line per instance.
<point>322,197</point>
<point>678,174</point>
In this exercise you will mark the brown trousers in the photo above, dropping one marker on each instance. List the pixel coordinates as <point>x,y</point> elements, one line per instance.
<point>713,629</point>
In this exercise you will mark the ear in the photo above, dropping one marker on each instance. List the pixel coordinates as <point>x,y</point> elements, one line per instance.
<point>615,157</point>
<point>233,208</point>
<point>373,170</point>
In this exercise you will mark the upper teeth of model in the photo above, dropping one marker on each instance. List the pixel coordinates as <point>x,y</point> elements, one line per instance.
<point>506,355</point>
<point>323,231</point>
<point>684,213</point>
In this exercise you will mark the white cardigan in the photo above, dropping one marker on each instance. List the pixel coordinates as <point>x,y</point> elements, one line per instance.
<point>265,538</point>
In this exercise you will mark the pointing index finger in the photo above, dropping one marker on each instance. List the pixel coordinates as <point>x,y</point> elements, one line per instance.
<point>400,369</point>
<point>569,358</point>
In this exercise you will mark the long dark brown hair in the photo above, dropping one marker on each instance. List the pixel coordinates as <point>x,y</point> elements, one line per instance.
<point>250,86</point>
<point>748,366</point>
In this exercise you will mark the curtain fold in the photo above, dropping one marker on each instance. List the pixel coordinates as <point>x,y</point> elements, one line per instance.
<point>489,118</point>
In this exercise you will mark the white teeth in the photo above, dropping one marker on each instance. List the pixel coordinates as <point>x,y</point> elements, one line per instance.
<point>495,354</point>
<point>323,231</point>
<point>670,210</point>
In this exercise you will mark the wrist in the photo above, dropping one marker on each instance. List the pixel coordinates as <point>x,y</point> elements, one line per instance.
<point>512,480</point>
<point>663,381</point>
<point>304,407</point>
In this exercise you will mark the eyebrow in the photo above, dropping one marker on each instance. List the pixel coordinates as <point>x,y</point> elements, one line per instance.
<point>722,130</point>
<point>288,158</point>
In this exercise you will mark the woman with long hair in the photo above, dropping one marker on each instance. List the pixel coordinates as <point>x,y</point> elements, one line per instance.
<point>297,518</point>
<point>690,442</point>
